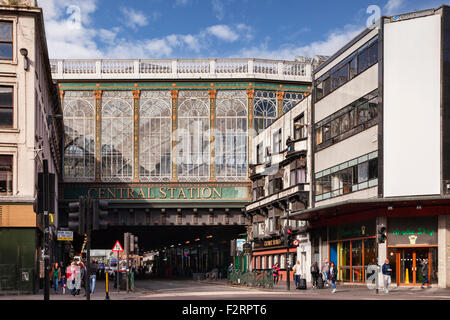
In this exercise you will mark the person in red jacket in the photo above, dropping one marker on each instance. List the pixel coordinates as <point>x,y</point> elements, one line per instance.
<point>276,273</point>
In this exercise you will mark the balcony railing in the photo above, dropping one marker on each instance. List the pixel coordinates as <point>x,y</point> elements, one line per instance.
<point>173,69</point>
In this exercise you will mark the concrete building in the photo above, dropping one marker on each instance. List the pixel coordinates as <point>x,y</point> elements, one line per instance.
<point>30,132</point>
<point>381,156</point>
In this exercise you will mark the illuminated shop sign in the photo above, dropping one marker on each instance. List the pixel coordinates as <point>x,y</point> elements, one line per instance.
<point>412,231</point>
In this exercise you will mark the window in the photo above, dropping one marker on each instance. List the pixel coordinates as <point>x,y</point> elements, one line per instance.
<point>6,40</point>
<point>6,174</point>
<point>298,172</point>
<point>231,135</point>
<point>6,107</point>
<point>355,114</point>
<point>117,136</point>
<point>264,109</point>
<point>155,134</point>
<point>347,69</point>
<point>194,136</point>
<point>290,100</point>
<point>259,153</point>
<point>353,67</point>
<point>277,144</point>
<point>299,128</point>
<point>353,175</point>
<point>79,136</point>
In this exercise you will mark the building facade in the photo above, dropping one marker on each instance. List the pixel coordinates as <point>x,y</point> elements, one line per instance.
<point>380,161</point>
<point>280,174</point>
<point>30,132</point>
<point>166,142</point>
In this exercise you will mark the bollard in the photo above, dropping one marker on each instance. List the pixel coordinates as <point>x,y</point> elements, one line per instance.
<point>107,287</point>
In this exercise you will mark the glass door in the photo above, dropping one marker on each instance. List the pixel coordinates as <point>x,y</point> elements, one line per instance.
<point>408,265</point>
<point>357,261</point>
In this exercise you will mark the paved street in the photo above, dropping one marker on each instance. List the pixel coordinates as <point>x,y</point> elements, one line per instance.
<point>162,289</point>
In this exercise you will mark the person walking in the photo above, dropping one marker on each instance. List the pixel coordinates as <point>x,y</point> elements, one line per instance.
<point>315,274</point>
<point>333,276</point>
<point>386,270</point>
<point>325,271</point>
<point>55,275</point>
<point>276,273</point>
<point>73,278</point>
<point>297,272</point>
<point>93,276</point>
<point>425,273</point>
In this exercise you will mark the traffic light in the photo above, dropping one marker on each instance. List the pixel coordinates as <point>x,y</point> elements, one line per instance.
<point>100,215</point>
<point>77,214</point>
<point>382,234</point>
<point>289,236</point>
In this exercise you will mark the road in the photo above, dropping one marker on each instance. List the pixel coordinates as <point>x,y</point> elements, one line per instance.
<point>172,289</point>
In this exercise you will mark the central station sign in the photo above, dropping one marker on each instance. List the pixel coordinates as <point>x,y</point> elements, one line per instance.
<point>217,193</point>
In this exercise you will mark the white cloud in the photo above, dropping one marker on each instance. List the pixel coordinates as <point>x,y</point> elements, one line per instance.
<point>223,32</point>
<point>335,40</point>
<point>181,3</point>
<point>218,9</point>
<point>392,6</point>
<point>133,18</point>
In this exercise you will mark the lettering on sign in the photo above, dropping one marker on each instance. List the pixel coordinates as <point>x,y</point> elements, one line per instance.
<point>172,193</point>
<point>270,243</point>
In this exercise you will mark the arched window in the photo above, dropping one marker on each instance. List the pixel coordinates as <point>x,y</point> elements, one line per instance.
<point>117,136</point>
<point>79,136</point>
<point>193,136</point>
<point>291,99</point>
<point>155,131</point>
<point>231,135</point>
<point>264,109</point>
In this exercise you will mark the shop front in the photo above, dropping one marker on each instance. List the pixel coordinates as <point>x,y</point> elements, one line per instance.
<point>352,247</point>
<point>266,253</point>
<point>411,242</point>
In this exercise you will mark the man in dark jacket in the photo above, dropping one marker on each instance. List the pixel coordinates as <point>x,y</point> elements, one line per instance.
<point>386,270</point>
<point>425,273</point>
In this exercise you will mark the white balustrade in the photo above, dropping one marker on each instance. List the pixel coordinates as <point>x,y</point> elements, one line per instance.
<point>181,68</point>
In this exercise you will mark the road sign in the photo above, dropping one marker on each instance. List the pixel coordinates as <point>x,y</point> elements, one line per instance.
<point>65,235</point>
<point>117,247</point>
<point>295,243</point>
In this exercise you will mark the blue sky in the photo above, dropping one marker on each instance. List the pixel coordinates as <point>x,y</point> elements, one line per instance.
<point>162,29</point>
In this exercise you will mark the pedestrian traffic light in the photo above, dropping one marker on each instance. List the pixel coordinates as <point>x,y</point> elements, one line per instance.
<point>100,215</point>
<point>77,214</point>
<point>382,234</point>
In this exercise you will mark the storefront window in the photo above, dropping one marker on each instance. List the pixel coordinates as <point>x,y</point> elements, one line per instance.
<point>357,265</point>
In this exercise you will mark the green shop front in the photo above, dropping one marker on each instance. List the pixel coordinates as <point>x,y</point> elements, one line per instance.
<point>411,242</point>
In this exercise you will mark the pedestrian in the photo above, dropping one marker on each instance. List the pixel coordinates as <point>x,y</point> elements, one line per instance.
<point>386,270</point>
<point>230,268</point>
<point>333,276</point>
<point>326,271</point>
<point>55,275</point>
<point>315,274</point>
<point>101,270</point>
<point>425,273</point>
<point>63,283</point>
<point>93,276</point>
<point>73,278</point>
<point>276,273</point>
<point>297,269</point>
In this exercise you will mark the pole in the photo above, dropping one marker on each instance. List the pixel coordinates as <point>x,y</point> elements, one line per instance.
<point>46,258</point>
<point>288,280</point>
<point>107,287</point>
<point>117,274</point>
<point>127,251</point>
<point>88,217</point>
<point>47,200</point>
<point>376,252</point>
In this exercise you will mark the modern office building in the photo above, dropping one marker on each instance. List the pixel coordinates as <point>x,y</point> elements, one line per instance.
<point>166,142</point>
<point>30,133</point>
<point>281,178</point>
<point>381,151</point>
